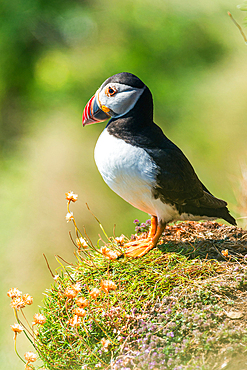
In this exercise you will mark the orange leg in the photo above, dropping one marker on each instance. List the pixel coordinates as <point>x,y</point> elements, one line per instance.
<point>153,227</point>
<point>151,233</point>
<point>143,246</point>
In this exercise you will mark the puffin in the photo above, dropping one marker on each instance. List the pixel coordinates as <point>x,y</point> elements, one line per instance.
<point>139,163</point>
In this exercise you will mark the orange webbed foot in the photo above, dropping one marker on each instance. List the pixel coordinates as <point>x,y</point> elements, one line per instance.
<point>140,248</point>
<point>136,242</point>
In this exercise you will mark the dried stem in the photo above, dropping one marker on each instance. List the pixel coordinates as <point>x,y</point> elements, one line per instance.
<point>239,27</point>
<point>48,265</point>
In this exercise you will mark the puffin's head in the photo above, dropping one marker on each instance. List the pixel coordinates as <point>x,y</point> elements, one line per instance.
<point>115,98</point>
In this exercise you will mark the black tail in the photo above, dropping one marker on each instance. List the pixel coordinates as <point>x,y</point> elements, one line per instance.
<point>226,216</point>
<point>221,212</point>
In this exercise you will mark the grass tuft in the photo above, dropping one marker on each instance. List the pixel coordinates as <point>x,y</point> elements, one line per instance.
<point>168,310</point>
<point>181,306</point>
<point>140,284</point>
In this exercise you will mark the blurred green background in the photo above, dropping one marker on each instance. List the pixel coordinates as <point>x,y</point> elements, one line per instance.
<point>54,55</point>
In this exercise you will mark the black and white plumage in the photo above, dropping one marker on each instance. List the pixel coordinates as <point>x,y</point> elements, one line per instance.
<point>142,165</point>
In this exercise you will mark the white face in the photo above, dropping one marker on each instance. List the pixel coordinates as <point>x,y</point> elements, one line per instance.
<point>117,98</point>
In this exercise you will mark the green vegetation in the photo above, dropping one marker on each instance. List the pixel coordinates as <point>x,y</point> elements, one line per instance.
<point>144,299</point>
<point>174,308</point>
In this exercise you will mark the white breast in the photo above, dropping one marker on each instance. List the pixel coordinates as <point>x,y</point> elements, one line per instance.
<point>131,173</point>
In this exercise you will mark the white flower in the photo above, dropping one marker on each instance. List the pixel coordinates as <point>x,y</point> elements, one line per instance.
<point>76,287</point>
<point>17,303</point>
<point>27,299</point>
<point>30,357</point>
<point>39,319</point>
<point>78,311</point>
<point>14,292</point>
<point>70,293</point>
<point>69,216</point>
<point>107,285</point>
<point>120,239</point>
<point>82,302</point>
<point>70,196</point>
<point>112,255</point>
<point>81,242</point>
<point>17,328</point>
<point>95,292</point>
<point>75,321</point>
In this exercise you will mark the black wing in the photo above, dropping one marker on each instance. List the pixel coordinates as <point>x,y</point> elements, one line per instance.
<point>176,178</point>
<point>177,182</point>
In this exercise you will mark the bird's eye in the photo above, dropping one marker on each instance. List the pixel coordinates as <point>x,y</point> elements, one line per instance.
<point>110,91</point>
